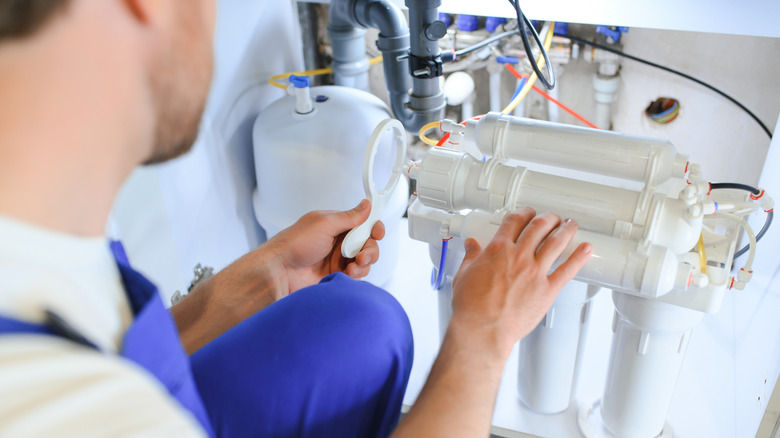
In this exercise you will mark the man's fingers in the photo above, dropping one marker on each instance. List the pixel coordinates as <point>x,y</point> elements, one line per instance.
<point>537,230</point>
<point>369,254</point>
<point>514,223</point>
<point>357,272</point>
<point>472,251</point>
<point>555,243</point>
<point>566,272</point>
<point>378,232</point>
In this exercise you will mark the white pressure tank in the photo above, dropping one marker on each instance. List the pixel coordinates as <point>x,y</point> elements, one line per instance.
<point>309,149</point>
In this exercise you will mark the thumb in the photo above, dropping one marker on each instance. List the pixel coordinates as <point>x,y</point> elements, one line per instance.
<point>472,251</point>
<point>349,219</point>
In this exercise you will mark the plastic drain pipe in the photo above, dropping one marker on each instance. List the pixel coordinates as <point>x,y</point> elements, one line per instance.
<point>410,54</point>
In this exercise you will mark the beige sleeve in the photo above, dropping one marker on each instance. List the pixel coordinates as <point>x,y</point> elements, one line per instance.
<point>53,387</point>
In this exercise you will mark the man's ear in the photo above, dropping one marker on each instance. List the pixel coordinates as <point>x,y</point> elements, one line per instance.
<point>147,11</point>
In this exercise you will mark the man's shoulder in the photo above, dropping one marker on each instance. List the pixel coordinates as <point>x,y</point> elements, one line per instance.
<point>53,387</point>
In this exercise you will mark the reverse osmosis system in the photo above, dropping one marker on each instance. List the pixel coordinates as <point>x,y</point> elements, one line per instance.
<point>664,238</point>
<point>665,249</point>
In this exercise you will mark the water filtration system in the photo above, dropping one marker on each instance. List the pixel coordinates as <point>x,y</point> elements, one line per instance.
<point>664,247</point>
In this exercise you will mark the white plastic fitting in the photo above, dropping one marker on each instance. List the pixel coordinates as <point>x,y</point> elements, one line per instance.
<point>764,200</point>
<point>741,280</point>
<point>301,89</point>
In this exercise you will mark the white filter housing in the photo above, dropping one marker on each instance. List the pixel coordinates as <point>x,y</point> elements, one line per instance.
<point>548,356</point>
<point>314,161</point>
<point>648,349</point>
<point>591,150</point>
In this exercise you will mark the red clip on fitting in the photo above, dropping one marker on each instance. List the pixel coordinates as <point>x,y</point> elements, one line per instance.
<point>766,202</point>
<point>757,197</point>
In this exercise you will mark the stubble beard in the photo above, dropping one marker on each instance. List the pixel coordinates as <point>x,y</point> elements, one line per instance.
<point>179,85</point>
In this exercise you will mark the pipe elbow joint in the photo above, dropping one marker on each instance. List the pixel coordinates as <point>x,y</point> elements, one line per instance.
<point>341,15</point>
<point>383,15</point>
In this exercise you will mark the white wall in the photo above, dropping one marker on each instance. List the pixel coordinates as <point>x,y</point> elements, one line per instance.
<point>747,17</point>
<point>715,132</point>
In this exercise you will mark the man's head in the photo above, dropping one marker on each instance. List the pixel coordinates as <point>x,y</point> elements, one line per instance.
<point>177,57</point>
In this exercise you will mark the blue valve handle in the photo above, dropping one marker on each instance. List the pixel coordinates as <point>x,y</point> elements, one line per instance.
<point>613,32</point>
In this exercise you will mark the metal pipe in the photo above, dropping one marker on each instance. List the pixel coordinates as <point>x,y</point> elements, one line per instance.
<point>350,65</point>
<point>426,101</point>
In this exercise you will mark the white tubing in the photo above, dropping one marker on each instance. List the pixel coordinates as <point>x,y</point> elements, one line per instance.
<point>553,110</point>
<point>455,254</point>
<point>494,83</point>
<point>519,109</point>
<point>648,349</point>
<point>467,108</point>
<point>603,118</point>
<point>444,300</point>
<point>601,152</point>
<point>548,356</point>
<point>604,89</point>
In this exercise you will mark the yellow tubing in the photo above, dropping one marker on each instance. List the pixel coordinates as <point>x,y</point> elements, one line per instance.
<point>274,80</point>
<point>424,129</point>
<point>531,79</point>
<point>702,256</point>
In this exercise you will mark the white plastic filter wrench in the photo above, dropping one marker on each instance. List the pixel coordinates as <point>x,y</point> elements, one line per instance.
<point>357,237</point>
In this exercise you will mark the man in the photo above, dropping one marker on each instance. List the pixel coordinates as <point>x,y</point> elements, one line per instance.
<point>281,342</point>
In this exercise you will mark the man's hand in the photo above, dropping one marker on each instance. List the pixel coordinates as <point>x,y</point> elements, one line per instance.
<point>503,291</point>
<point>297,257</point>
<point>311,248</point>
<point>498,296</point>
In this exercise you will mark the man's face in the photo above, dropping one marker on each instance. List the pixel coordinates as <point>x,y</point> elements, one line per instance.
<point>180,79</point>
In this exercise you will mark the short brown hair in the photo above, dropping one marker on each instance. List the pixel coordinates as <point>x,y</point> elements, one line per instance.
<point>22,18</point>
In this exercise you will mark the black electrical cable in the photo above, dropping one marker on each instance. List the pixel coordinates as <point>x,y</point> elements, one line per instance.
<point>486,42</point>
<point>524,26</point>
<point>671,70</point>
<point>769,215</point>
